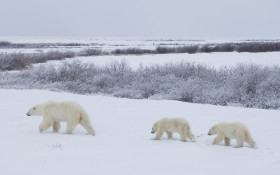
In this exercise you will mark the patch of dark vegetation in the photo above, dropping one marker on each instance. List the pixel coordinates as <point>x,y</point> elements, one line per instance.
<point>18,61</point>
<point>92,52</point>
<point>10,45</point>
<point>132,51</point>
<point>223,47</point>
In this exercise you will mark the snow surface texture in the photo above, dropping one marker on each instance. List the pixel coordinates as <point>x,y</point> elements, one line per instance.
<point>123,143</point>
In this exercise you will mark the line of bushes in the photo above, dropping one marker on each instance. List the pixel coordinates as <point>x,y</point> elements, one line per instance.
<point>223,47</point>
<point>18,61</point>
<point>7,44</point>
<point>247,85</point>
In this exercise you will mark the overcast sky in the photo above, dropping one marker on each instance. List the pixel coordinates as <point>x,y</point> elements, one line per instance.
<point>193,19</point>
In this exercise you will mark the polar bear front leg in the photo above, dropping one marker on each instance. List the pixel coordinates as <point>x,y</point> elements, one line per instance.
<point>218,139</point>
<point>169,134</point>
<point>56,126</point>
<point>46,124</point>
<point>159,134</point>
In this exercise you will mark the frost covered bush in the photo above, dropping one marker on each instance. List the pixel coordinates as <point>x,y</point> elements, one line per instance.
<point>248,85</point>
<point>14,61</point>
<point>223,47</point>
<point>134,51</point>
<point>92,52</point>
<point>18,61</point>
<point>4,43</point>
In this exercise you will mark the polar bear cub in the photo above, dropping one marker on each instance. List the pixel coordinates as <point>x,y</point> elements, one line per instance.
<point>170,125</point>
<point>234,130</point>
<point>55,112</point>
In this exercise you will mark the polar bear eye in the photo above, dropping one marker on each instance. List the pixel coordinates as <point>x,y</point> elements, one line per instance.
<point>34,108</point>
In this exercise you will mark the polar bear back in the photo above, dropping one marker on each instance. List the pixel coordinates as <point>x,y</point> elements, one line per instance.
<point>172,124</point>
<point>61,111</point>
<point>233,129</point>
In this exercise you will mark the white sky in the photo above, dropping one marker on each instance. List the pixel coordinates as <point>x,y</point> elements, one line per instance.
<point>192,19</point>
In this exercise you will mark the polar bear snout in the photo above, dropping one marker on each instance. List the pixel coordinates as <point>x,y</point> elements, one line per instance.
<point>28,113</point>
<point>209,133</point>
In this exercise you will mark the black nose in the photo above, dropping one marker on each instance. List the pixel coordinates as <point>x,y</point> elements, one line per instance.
<point>28,114</point>
<point>209,134</point>
<point>152,132</point>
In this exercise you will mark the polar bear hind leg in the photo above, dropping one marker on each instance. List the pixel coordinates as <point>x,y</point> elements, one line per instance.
<point>227,141</point>
<point>250,140</point>
<point>190,135</point>
<point>86,124</point>
<point>239,142</point>
<point>71,125</point>
<point>187,130</point>
<point>183,135</point>
<point>169,135</point>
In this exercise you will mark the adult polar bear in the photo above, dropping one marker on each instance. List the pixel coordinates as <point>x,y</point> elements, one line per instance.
<point>170,125</point>
<point>226,131</point>
<point>55,112</point>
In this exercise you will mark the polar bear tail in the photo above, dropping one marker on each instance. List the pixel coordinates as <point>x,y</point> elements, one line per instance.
<point>249,139</point>
<point>85,122</point>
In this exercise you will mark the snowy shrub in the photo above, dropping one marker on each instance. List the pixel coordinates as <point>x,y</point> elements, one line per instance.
<point>223,47</point>
<point>91,52</point>
<point>128,93</point>
<point>248,85</point>
<point>14,61</point>
<point>18,61</point>
<point>4,43</point>
<point>130,51</point>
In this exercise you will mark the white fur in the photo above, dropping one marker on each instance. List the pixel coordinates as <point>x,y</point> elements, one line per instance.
<point>55,112</point>
<point>235,130</point>
<point>170,125</point>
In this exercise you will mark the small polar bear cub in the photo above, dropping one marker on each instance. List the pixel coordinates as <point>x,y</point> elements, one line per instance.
<point>170,125</point>
<point>55,112</point>
<point>234,130</point>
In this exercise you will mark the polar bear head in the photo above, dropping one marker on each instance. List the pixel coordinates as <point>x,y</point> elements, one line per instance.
<point>35,110</point>
<point>213,130</point>
<point>155,128</point>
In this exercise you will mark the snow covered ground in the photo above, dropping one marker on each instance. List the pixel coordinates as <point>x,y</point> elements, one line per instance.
<point>124,145</point>
<point>216,59</point>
